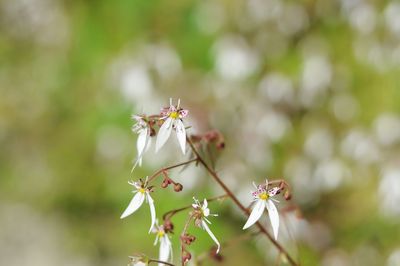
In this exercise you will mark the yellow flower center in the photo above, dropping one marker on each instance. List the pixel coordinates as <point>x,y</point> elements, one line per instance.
<point>264,196</point>
<point>174,115</point>
<point>161,233</point>
<point>142,190</point>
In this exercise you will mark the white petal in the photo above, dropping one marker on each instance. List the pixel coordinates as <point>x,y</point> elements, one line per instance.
<point>205,204</point>
<point>138,162</point>
<point>156,240</point>
<point>164,133</point>
<point>135,203</point>
<point>152,211</point>
<point>273,217</point>
<point>206,212</point>
<point>205,226</point>
<point>255,213</point>
<point>141,141</point>
<point>165,249</point>
<point>181,134</point>
<point>148,144</point>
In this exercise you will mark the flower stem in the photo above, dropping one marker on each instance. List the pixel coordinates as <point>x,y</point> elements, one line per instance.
<point>159,261</point>
<point>183,249</point>
<point>169,168</point>
<point>238,203</point>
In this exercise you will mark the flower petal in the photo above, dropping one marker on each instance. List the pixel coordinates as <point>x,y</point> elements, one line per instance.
<point>165,249</point>
<point>273,217</point>
<point>148,144</point>
<point>205,204</point>
<point>135,203</point>
<point>141,141</point>
<point>152,211</point>
<point>164,133</point>
<point>181,134</point>
<point>156,240</point>
<point>205,226</point>
<point>183,113</point>
<point>255,213</point>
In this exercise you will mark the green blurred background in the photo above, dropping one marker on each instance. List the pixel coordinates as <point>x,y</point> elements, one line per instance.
<point>307,90</point>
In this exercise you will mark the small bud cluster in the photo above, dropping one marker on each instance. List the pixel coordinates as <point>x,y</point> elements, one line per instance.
<point>211,137</point>
<point>168,181</point>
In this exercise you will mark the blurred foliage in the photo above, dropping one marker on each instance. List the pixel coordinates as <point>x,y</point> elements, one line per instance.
<point>72,73</point>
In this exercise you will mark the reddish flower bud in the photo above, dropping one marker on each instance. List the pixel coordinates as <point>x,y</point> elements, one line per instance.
<point>287,195</point>
<point>178,187</point>
<point>164,184</point>
<point>220,145</point>
<point>168,226</point>
<point>186,257</point>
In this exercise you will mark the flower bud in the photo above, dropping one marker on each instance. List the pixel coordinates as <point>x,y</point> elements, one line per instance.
<point>287,195</point>
<point>168,226</point>
<point>186,257</point>
<point>178,187</point>
<point>164,184</point>
<point>220,145</point>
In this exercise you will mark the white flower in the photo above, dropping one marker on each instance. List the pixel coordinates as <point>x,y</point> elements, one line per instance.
<point>165,244</point>
<point>142,192</point>
<point>263,199</point>
<point>144,140</point>
<point>172,117</point>
<point>201,218</point>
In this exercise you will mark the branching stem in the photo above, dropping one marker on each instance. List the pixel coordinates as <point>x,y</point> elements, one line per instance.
<point>238,203</point>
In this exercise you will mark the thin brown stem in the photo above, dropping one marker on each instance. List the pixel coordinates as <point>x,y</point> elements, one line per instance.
<point>238,203</point>
<point>169,168</point>
<point>183,250</point>
<point>160,261</point>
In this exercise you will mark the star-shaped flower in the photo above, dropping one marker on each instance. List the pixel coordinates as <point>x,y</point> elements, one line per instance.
<point>165,244</point>
<point>263,199</point>
<point>144,140</point>
<point>142,191</point>
<point>172,117</point>
<point>201,214</point>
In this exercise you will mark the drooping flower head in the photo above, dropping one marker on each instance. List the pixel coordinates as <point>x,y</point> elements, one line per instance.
<point>172,119</point>
<point>143,143</point>
<point>263,198</point>
<point>201,213</point>
<point>165,252</point>
<point>142,191</point>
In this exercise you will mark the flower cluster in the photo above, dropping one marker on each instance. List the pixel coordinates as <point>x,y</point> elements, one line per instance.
<point>171,119</point>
